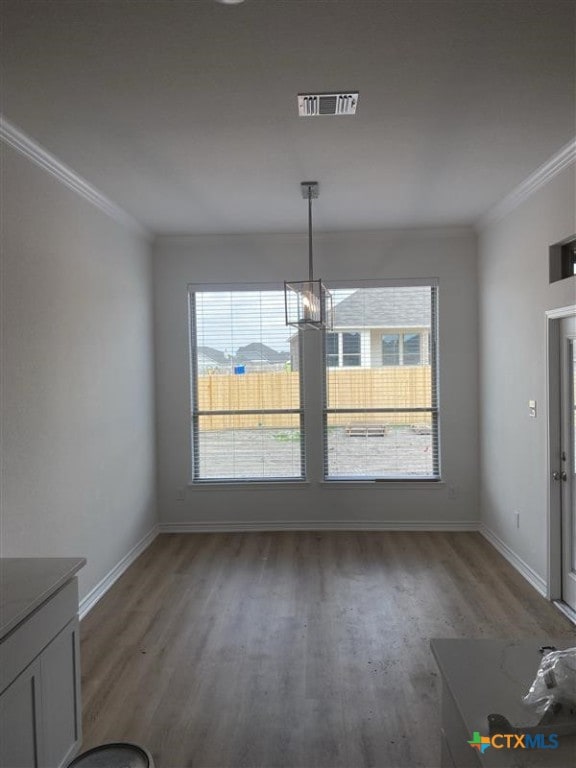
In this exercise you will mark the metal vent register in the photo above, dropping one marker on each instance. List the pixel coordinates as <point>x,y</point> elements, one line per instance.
<point>315,104</point>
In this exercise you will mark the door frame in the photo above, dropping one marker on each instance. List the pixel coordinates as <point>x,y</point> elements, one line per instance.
<point>553,438</point>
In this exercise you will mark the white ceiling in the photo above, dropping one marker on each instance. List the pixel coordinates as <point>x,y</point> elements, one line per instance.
<point>185,113</point>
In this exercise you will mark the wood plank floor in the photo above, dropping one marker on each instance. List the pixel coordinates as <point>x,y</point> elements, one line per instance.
<point>294,650</point>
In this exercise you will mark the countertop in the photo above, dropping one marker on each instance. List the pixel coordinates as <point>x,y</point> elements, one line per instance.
<point>27,582</point>
<point>491,676</point>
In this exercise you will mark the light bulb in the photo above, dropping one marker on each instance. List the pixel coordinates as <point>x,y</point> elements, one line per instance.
<point>306,305</point>
<point>230,2</point>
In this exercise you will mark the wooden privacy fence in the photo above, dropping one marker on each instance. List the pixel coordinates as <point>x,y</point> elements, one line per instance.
<point>386,387</point>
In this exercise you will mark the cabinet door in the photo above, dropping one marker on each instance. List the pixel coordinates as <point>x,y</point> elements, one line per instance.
<point>446,760</point>
<point>61,716</point>
<point>20,737</point>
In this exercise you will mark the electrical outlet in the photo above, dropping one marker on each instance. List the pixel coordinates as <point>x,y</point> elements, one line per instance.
<point>452,491</point>
<point>517,518</point>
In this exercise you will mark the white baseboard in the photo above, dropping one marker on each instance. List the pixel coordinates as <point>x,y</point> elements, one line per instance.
<point>88,602</point>
<point>229,526</point>
<point>523,568</point>
<point>245,526</point>
<point>566,610</point>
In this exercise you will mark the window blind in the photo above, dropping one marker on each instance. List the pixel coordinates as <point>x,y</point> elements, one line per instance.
<point>381,393</point>
<point>247,415</point>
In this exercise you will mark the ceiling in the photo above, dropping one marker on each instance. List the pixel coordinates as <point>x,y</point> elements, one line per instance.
<point>184,113</point>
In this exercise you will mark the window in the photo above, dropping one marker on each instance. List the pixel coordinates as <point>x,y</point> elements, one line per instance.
<point>401,349</point>
<point>569,258</point>
<point>411,349</point>
<point>562,260</point>
<point>247,420</point>
<point>343,349</point>
<point>332,347</point>
<point>350,349</point>
<point>381,421</point>
<point>372,385</point>
<point>391,349</point>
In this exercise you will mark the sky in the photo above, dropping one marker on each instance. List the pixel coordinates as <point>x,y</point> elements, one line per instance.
<point>229,320</point>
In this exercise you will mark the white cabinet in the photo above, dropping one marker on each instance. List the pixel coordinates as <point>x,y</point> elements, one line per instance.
<point>40,708</point>
<point>19,714</point>
<point>60,696</point>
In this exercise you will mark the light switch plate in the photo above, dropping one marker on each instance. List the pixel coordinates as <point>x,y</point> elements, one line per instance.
<point>532,408</point>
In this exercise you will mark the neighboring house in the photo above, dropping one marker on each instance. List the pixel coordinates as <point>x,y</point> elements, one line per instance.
<point>252,357</point>
<point>211,360</point>
<point>260,357</point>
<point>371,330</point>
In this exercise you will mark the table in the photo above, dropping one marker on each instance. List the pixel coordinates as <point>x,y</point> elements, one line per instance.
<point>482,677</point>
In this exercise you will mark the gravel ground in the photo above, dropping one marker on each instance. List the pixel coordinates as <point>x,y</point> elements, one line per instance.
<point>276,453</point>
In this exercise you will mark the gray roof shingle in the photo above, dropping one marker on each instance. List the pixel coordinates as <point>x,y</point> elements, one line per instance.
<point>260,352</point>
<point>384,308</point>
<point>214,354</point>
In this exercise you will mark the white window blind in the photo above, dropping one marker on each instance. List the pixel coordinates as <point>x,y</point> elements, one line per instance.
<point>381,417</point>
<point>247,415</point>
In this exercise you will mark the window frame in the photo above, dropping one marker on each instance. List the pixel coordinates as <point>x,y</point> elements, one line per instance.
<point>402,354</point>
<point>312,372</point>
<point>434,410</point>
<point>196,413</point>
<point>406,353</point>
<point>398,351</point>
<point>340,353</point>
<point>333,336</point>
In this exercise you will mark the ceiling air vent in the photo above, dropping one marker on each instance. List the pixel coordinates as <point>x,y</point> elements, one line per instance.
<point>315,104</point>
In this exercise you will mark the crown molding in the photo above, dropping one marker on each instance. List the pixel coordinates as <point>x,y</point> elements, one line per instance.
<point>18,140</point>
<point>541,176</point>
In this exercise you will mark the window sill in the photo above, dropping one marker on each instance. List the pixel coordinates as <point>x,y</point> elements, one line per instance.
<point>421,484</point>
<point>250,485</point>
<point>300,485</point>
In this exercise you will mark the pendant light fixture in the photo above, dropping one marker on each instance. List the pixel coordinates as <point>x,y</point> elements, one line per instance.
<point>308,303</point>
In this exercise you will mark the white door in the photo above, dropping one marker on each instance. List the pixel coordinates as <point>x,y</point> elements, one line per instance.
<point>566,473</point>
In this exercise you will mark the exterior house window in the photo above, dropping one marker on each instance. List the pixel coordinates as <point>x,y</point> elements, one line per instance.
<point>351,354</point>
<point>343,349</point>
<point>391,349</point>
<point>411,349</point>
<point>402,349</point>
<point>332,347</point>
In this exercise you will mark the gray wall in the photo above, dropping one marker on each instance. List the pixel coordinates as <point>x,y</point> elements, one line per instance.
<point>78,449</point>
<point>449,255</point>
<point>514,295</point>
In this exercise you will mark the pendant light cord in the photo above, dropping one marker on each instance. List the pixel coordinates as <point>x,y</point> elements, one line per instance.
<point>310,262</point>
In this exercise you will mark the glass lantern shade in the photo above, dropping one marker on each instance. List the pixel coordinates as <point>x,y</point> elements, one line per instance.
<point>308,304</point>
